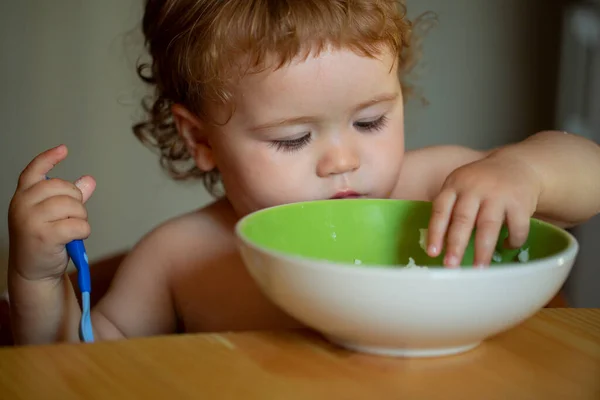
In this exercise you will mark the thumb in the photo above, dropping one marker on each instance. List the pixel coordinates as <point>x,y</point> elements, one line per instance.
<point>87,185</point>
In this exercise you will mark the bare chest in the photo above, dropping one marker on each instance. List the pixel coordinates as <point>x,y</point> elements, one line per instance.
<point>219,295</point>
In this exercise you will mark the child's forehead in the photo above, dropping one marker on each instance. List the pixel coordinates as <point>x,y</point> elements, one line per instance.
<point>333,80</point>
<point>330,67</point>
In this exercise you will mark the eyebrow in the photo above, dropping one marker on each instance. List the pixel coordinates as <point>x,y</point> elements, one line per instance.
<point>306,119</point>
<point>377,99</point>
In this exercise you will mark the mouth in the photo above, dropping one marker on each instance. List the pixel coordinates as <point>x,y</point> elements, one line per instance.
<point>347,194</point>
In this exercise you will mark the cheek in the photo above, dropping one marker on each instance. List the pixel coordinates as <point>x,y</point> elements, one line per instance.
<point>260,174</point>
<point>244,167</point>
<point>390,143</point>
<point>386,154</point>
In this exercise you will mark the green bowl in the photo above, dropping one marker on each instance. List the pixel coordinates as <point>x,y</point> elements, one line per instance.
<point>382,233</point>
<point>339,267</point>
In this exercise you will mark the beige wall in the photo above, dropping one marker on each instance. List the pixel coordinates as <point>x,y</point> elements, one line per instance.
<point>69,79</point>
<point>68,76</point>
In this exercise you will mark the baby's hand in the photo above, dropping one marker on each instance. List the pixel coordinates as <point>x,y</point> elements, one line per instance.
<point>45,215</point>
<point>483,194</point>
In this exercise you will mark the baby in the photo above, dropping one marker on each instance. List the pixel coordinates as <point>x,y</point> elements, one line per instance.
<point>278,101</point>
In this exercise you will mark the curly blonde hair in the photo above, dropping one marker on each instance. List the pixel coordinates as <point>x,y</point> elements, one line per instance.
<point>200,48</point>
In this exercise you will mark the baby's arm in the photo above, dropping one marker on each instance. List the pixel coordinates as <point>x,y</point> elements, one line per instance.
<point>139,301</point>
<point>425,170</point>
<point>551,175</point>
<point>44,215</point>
<point>42,311</point>
<point>568,167</point>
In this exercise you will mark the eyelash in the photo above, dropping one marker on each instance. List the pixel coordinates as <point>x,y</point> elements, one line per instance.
<point>375,125</point>
<point>291,145</point>
<point>297,144</point>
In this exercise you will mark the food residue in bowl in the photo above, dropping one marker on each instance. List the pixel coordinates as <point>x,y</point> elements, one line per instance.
<point>496,257</point>
<point>412,264</point>
<point>524,255</point>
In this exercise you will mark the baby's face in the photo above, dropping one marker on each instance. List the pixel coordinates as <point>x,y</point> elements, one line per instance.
<point>316,129</point>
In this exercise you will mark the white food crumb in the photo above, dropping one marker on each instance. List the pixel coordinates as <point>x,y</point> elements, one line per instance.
<point>412,264</point>
<point>334,235</point>
<point>524,255</point>
<point>496,257</point>
<point>357,262</point>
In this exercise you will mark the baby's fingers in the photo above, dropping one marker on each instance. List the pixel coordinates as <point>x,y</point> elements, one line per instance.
<point>81,190</point>
<point>70,229</point>
<point>39,167</point>
<point>86,184</point>
<point>440,219</point>
<point>489,223</point>
<point>461,227</point>
<point>517,222</point>
<point>61,207</point>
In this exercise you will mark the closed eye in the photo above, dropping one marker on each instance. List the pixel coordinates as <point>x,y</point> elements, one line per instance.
<point>373,125</point>
<point>292,144</point>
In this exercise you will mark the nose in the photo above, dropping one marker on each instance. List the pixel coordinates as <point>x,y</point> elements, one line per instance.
<point>338,159</point>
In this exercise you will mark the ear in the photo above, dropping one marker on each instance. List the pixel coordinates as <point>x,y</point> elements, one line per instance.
<point>192,131</point>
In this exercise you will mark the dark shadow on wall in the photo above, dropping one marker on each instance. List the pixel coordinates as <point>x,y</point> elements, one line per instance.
<point>581,287</point>
<point>546,18</point>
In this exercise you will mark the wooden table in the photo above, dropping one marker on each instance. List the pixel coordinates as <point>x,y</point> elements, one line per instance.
<point>554,355</point>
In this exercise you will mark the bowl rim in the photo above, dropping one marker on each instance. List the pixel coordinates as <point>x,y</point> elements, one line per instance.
<point>558,260</point>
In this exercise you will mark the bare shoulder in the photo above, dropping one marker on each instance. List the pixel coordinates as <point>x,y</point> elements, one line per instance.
<point>188,236</point>
<point>425,170</point>
<point>199,231</point>
<point>143,283</point>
